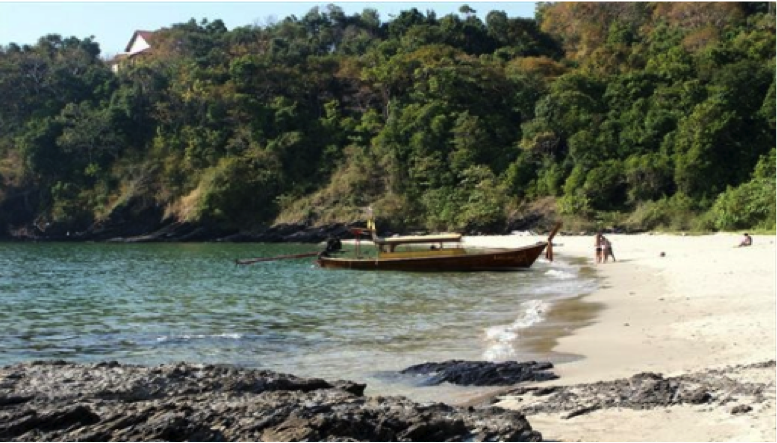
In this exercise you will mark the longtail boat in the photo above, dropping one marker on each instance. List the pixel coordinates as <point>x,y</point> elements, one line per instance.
<point>435,253</point>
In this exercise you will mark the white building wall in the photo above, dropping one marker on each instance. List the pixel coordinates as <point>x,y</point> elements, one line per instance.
<point>140,44</point>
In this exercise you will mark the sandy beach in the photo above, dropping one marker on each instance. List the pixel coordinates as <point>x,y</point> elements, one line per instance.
<point>705,305</point>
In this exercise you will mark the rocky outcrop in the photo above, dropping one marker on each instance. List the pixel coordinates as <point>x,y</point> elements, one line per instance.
<point>719,387</point>
<point>151,229</point>
<point>482,373</point>
<point>292,233</point>
<point>139,220</point>
<point>55,401</point>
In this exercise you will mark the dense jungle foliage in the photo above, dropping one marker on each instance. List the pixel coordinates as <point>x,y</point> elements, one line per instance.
<point>639,115</point>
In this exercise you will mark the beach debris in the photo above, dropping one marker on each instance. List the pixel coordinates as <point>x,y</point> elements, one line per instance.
<point>482,373</point>
<point>581,411</point>
<point>741,409</point>
<point>60,401</point>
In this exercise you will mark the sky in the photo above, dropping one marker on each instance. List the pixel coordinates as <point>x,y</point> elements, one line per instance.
<point>112,23</point>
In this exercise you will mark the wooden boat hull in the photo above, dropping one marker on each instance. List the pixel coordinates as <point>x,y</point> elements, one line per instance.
<point>486,260</point>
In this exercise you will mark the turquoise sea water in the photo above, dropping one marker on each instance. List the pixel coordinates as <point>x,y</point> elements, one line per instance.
<point>157,303</point>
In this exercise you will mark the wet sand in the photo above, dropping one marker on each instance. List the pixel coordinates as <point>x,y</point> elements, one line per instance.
<point>564,318</point>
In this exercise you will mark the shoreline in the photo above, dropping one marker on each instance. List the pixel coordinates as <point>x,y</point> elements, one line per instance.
<point>706,305</point>
<point>705,308</point>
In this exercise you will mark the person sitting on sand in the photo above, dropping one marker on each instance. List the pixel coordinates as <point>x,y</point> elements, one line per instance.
<point>607,249</point>
<point>746,241</point>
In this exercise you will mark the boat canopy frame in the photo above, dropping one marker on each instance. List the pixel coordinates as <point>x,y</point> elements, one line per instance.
<point>391,243</point>
<point>408,240</point>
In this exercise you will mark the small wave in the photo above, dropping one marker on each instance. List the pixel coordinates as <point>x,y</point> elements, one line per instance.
<point>565,281</point>
<point>184,337</point>
<point>559,288</point>
<point>500,338</point>
<point>564,275</point>
<point>560,263</point>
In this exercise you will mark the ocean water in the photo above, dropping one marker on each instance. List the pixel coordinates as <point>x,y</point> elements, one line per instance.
<point>158,303</point>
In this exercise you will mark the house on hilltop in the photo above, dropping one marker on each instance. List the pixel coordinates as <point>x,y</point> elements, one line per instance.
<point>140,42</point>
<point>139,45</point>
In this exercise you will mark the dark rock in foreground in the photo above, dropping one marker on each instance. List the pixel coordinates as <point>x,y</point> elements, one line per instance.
<point>56,401</point>
<point>483,373</point>
<point>647,390</point>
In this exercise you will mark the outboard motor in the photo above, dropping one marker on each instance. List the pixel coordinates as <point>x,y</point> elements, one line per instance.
<point>333,245</point>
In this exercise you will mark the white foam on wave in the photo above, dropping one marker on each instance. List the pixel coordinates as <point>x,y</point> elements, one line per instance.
<point>562,280</point>
<point>565,282</point>
<point>501,338</point>
<point>564,275</point>
<point>233,336</point>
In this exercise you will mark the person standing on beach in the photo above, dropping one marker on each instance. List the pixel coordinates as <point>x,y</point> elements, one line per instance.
<point>607,249</point>
<point>599,245</point>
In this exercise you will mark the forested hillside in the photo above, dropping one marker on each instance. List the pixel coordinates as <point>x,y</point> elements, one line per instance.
<point>635,115</point>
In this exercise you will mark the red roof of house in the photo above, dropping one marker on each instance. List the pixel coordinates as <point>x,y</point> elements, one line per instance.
<point>148,36</point>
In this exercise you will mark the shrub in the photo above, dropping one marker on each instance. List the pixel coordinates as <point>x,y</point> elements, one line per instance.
<point>675,213</point>
<point>477,204</point>
<point>751,205</point>
<point>235,192</point>
<point>575,204</point>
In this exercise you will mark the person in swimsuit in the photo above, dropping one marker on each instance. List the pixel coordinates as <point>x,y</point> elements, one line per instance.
<point>599,245</point>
